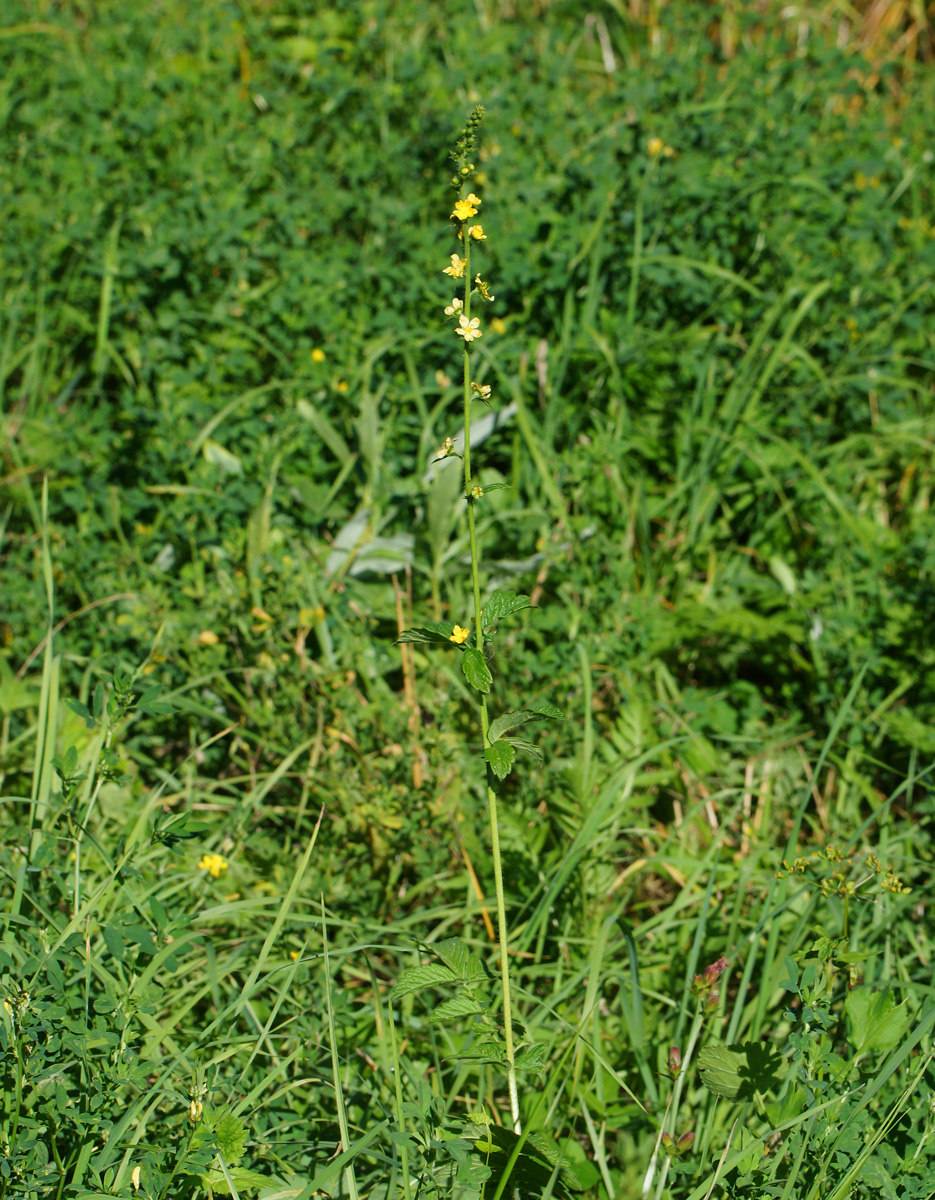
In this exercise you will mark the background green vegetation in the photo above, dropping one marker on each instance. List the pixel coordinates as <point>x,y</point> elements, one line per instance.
<point>714,379</point>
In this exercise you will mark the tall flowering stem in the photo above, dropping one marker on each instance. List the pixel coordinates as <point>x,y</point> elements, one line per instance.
<point>468,328</point>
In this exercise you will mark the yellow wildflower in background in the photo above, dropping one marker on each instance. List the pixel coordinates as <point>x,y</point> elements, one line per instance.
<point>214,864</point>
<point>654,147</point>
<point>207,638</point>
<point>318,355</point>
<point>459,635</point>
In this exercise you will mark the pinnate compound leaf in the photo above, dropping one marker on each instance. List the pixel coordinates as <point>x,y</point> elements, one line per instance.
<point>739,1071</point>
<point>457,1006</point>
<point>512,720</point>
<point>475,669</point>
<point>418,978</point>
<point>502,604</point>
<point>436,633</point>
<point>463,962</point>
<point>484,1051</point>
<point>874,1020</point>
<point>500,756</point>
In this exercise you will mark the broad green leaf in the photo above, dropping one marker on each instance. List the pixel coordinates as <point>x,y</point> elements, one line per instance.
<point>502,604</point>
<point>500,756</point>
<point>458,958</point>
<point>458,1006</point>
<point>243,1179</point>
<point>874,1020</point>
<point>754,1148</point>
<point>741,1070</point>
<point>475,669</point>
<point>418,978</point>
<point>483,1051</point>
<point>436,632</point>
<point>511,720</point>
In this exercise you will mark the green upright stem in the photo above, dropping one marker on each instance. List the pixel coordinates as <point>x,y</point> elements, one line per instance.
<point>502,929</point>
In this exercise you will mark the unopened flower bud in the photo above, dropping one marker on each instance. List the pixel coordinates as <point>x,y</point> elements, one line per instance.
<point>675,1060</point>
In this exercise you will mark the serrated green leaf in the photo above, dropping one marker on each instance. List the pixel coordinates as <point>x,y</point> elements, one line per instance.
<point>458,958</point>
<point>526,746</point>
<point>512,720</point>
<point>475,669</point>
<point>232,1137</point>
<point>437,633</point>
<point>483,1052</point>
<point>500,756</point>
<point>500,605</point>
<point>531,1058</point>
<point>415,979</point>
<point>462,1005</point>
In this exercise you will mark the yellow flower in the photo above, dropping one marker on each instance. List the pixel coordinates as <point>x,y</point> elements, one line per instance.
<point>318,355</point>
<point>214,864</point>
<point>207,638</point>
<point>454,307</point>
<point>477,233</point>
<point>654,147</point>
<point>194,1112</point>
<point>498,325</point>
<point>465,208</point>
<point>459,636</point>
<point>668,152</point>
<point>469,330</point>
<point>477,491</point>
<point>341,385</point>
<point>295,955</point>
<point>456,270</point>
<point>445,448</point>
<point>481,389</point>
<point>135,1178</point>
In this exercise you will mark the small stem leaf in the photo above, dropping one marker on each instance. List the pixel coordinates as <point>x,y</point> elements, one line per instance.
<point>437,633</point>
<point>459,959</point>
<point>418,978</point>
<point>510,720</point>
<point>475,669</point>
<point>502,604</point>
<point>500,756</point>
<point>458,1006</point>
<point>526,746</point>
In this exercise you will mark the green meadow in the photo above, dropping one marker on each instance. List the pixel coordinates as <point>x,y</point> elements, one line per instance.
<point>467,682</point>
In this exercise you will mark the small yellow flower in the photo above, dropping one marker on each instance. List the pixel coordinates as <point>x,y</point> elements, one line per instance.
<point>477,233</point>
<point>214,864</point>
<point>477,491</point>
<point>341,385</point>
<point>498,325</point>
<point>318,355</point>
<point>445,448</point>
<point>295,955</point>
<point>454,307</point>
<point>194,1112</point>
<point>135,1178</point>
<point>655,146</point>
<point>668,152</point>
<point>469,330</point>
<point>464,208</point>
<point>459,635</point>
<point>207,638</point>
<point>481,389</point>
<point>456,270</point>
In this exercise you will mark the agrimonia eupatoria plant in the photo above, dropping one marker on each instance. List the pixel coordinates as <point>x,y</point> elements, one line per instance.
<point>475,644</point>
